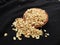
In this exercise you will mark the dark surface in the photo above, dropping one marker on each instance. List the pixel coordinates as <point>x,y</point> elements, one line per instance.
<point>10,10</point>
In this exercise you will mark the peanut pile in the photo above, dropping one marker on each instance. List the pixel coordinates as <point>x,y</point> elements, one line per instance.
<point>27,25</point>
<point>23,28</point>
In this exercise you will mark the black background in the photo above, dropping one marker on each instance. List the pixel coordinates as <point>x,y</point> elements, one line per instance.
<point>11,9</point>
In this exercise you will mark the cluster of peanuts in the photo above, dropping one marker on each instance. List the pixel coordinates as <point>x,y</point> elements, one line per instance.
<point>36,17</point>
<point>27,26</point>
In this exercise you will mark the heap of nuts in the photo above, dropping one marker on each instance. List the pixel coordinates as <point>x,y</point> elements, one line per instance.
<point>36,17</point>
<point>23,28</point>
<point>27,26</point>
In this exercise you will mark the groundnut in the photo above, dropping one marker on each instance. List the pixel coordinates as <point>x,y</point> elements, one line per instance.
<point>27,26</point>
